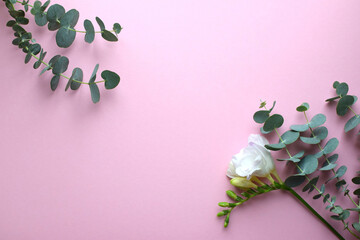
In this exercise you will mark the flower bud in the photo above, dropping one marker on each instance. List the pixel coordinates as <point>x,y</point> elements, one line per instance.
<point>223,204</point>
<point>243,183</point>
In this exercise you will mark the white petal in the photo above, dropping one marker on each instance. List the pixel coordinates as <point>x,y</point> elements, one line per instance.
<point>258,139</point>
<point>231,171</point>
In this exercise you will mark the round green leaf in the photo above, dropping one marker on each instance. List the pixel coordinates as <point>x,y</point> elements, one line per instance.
<point>328,167</point>
<point>52,26</point>
<point>299,128</point>
<point>22,20</point>
<point>70,18</point>
<point>37,64</point>
<point>308,164</point>
<point>317,120</point>
<point>342,89</point>
<point>28,57</point>
<point>53,60</point>
<point>310,140</point>
<point>294,181</point>
<point>40,19</point>
<point>321,132</point>
<point>77,75</point>
<point>275,147</point>
<point>55,13</point>
<point>117,28</point>
<point>357,192</point>
<point>54,82</point>
<point>335,84</point>
<point>303,107</point>
<point>35,48</point>
<point>108,36</point>
<point>60,65</point>
<point>356,180</point>
<point>65,37</point>
<point>341,171</point>
<point>274,121</point>
<point>261,116</point>
<point>331,145</point>
<point>90,32</point>
<point>289,137</point>
<point>343,104</point>
<point>111,79</point>
<point>95,93</point>
<point>10,23</point>
<point>352,123</point>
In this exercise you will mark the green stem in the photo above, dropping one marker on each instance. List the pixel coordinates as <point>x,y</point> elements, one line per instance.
<point>336,233</point>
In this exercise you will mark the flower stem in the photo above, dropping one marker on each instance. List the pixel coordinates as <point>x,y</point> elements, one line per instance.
<point>336,233</point>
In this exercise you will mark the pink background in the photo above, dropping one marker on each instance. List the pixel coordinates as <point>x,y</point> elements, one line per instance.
<point>149,160</point>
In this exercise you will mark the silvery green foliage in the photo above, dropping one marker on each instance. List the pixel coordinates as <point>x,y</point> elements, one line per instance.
<point>313,133</point>
<point>344,103</point>
<point>64,22</point>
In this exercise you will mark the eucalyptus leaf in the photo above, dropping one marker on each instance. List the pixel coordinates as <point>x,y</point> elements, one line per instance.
<point>273,122</point>
<point>332,99</point>
<point>331,145</point>
<point>70,19</point>
<point>294,181</point>
<point>90,32</point>
<point>342,89</point>
<point>60,65</point>
<point>289,137</point>
<point>117,28</point>
<point>328,167</point>
<point>343,104</point>
<point>321,132</point>
<point>356,180</point>
<point>311,185</point>
<point>352,123</point>
<point>109,36</point>
<point>261,116</point>
<point>356,226</point>
<point>295,158</point>
<point>275,147</point>
<point>55,13</point>
<point>65,37</point>
<point>341,171</point>
<point>41,19</point>
<point>308,165</point>
<point>303,107</point>
<point>111,79</point>
<point>310,140</point>
<point>95,93</point>
<point>77,75</point>
<point>101,23</point>
<point>93,75</point>
<point>317,120</point>
<point>54,82</point>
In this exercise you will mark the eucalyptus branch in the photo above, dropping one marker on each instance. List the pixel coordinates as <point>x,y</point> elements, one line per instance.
<point>57,19</point>
<point>344,104</point>
<point>57,64</point>
<point>329,164</point>
<point>305,164</point>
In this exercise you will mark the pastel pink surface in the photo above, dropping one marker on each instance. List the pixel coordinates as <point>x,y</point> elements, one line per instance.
<point>149,160</point>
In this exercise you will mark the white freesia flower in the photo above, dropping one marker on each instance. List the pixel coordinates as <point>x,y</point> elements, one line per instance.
<point>253,160</point>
